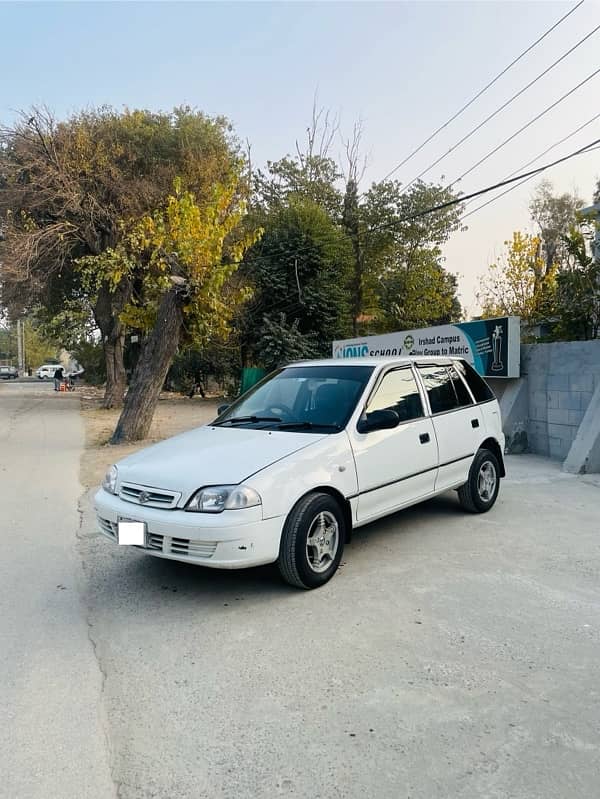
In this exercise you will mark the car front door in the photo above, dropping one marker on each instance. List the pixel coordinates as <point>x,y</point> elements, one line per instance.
<point>395,467</point>
<point>458,422</point>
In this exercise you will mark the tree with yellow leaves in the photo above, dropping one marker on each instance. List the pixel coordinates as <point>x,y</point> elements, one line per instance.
<point>188,253</point>
<point>520,282</point>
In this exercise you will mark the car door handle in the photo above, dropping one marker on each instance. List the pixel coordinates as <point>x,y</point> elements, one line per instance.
<point>424,438</point>
<point>474,422</point>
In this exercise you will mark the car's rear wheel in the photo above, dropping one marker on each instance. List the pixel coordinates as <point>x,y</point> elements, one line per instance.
<point>312,541</point>
<point>480,491</point>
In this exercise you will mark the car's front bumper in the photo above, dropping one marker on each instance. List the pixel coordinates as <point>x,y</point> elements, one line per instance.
<point>229,540</point>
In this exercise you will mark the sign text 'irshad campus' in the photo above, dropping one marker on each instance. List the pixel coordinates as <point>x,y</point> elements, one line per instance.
<point>492,346</point>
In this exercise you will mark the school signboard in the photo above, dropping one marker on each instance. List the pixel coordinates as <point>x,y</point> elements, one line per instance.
<point>492,346</point>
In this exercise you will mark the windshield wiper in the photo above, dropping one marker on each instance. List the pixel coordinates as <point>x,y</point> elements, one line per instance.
<point>307,426</point>
<point>250,419</point>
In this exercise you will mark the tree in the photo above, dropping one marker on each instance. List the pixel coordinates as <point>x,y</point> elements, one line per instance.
<point>578,291</point>
<point>189,252</point>
<point>553,217</point>
<point>518,284</point>
<point>298,272</point>
<point>72,190</point>
<point>402,252</point>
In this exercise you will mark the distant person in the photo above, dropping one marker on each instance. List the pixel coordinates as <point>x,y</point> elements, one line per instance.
<point>58,377</point>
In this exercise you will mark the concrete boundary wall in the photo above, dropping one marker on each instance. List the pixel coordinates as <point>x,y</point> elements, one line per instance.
<point>544,410</point>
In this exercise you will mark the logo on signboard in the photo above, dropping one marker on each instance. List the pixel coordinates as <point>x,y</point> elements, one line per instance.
<point>409,342</point>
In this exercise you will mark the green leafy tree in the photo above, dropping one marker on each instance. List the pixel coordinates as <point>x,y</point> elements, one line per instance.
<point>578,291</point>
<point>300,269</point>
<point>403,275</point>
<point>188,252</point>
<point>72,190</point>
<point>553,215</point>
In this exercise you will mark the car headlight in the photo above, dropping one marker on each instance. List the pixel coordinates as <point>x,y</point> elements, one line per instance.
<point>110,480</point>
<point>215,499</point>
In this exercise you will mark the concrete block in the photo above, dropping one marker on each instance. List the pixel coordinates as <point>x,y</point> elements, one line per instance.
<point>557,448</point>
<point>514,407</point>
<point>552,399</point>
<point>558,416</point>
<point>559,431</point>
<point>581,382</point>
<point>575,418</point>
<point>539,444</point>
<point>585,397</point>
<point>558,382</point>
<point>570,400</point>
<point>584,454</point>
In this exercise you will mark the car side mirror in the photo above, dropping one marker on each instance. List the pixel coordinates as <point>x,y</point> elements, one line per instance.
<point>222,408</point>
<point>384,419</point>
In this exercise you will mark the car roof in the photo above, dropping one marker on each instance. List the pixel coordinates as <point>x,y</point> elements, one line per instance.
<point>385,361</point>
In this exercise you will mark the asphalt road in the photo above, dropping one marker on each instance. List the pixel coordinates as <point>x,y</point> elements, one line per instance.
<point>452,656</point>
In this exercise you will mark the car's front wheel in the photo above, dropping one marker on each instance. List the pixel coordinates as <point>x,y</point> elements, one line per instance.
<point>480,491</point>
<point>312,541</point>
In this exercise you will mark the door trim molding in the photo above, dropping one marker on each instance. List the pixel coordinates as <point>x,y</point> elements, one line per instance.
<point>408,476</point>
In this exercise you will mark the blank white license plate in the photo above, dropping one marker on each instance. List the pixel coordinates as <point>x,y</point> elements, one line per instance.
<point>132,533</point>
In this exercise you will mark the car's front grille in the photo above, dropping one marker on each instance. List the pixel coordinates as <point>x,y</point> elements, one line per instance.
<point>150,497</point>
<point>108,527</point>
<point>181,547</point>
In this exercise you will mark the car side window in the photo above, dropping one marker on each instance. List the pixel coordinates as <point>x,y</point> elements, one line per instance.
<point>398,391</point>
<point>462,392</point>
<point>479,388</point>
<point>440,388</point>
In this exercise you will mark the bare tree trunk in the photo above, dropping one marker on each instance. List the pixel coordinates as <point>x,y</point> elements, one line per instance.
<point>116,378</point>
<point>151,370</point>
<point>109,305</point>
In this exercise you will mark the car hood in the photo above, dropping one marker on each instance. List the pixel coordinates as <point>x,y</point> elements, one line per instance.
<point>210,456</point>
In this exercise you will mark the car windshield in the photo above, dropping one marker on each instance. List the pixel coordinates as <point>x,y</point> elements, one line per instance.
<point>300,399</point>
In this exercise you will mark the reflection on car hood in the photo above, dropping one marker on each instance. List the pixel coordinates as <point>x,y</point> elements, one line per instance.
<point>210,456</point>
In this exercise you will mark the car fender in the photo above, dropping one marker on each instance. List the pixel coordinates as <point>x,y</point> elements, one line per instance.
<point>328,463</point>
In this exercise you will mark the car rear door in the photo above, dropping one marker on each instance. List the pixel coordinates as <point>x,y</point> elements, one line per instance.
<point>395,467</point>
<point>457,420</point>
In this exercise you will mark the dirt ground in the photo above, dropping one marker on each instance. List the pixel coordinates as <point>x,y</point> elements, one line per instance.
<point>174,414</point>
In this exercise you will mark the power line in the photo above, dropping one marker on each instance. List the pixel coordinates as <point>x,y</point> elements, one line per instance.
<point>527,125</point>
<point>506,182</point>
<point>532,161</point>
<point>482,91</point>
<point>512,188</point>
<point>502,107</point>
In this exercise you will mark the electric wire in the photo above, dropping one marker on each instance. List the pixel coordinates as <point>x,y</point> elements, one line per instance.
<point>525,126</point>
<point>482,91</point>
<point>499,109</point>
<point>458,200</point>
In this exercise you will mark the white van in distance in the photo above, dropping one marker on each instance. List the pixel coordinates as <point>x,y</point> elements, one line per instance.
<point>312,451</point>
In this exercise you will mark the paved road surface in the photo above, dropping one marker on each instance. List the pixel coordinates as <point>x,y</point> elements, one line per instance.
<point>453,657</point>
<point>53,734</point>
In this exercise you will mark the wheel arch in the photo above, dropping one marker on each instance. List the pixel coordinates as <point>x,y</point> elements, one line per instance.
<point>340,498</point>
<point>493,445</point>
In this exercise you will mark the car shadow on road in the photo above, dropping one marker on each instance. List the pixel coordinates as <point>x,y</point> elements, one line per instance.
<point>146,577</point>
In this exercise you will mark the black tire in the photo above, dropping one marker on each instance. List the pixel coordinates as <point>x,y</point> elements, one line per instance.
<point>296,566</point>
<point>475,497</point>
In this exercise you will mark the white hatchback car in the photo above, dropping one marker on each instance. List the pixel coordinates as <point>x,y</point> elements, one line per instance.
<point>46,372</point>
<point>315,449</point>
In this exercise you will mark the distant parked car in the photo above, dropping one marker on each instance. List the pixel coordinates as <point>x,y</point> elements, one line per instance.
<point>46,372</point>
<point>8,373</point>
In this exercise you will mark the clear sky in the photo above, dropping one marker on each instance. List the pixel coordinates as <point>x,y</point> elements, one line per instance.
<point>404,68</point>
